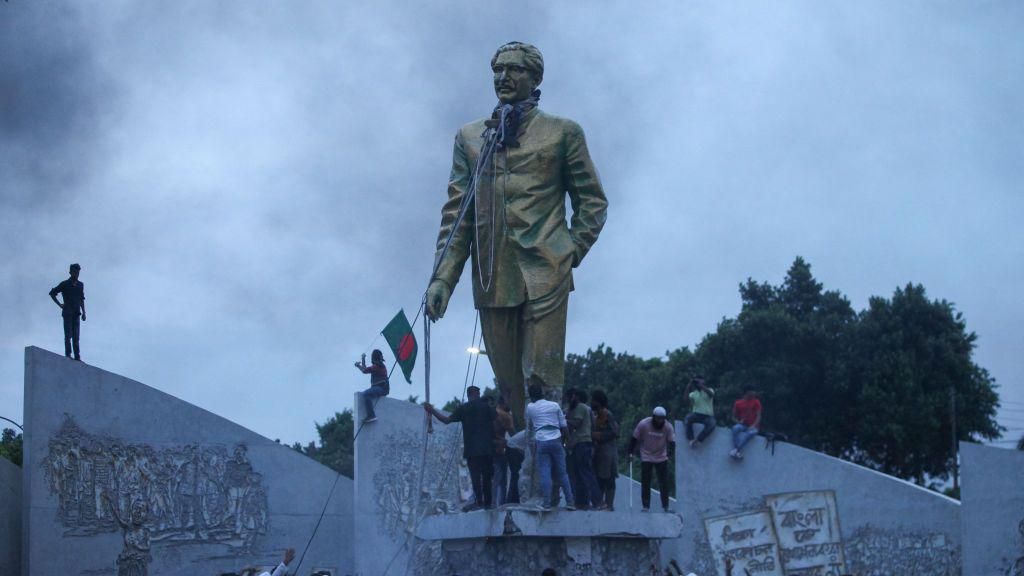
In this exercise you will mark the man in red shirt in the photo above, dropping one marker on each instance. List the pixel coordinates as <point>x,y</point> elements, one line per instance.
<point>747,413</point>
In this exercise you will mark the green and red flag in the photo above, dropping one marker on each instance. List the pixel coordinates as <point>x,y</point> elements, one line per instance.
<point>399,335</point>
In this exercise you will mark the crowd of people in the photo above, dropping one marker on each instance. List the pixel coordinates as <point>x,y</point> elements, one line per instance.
<point>575,445</point>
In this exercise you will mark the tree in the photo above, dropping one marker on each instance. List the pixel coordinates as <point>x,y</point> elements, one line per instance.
<point>335,449</point>
<point>873,387</point>
<point>787,343</point>
<point>11,446</point>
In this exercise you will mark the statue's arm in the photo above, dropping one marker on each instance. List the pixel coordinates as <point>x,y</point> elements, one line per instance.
<point>449,264</point>
<point>589,204</point>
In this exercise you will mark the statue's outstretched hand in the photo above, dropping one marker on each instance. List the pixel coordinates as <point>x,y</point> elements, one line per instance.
<point>438,294</point>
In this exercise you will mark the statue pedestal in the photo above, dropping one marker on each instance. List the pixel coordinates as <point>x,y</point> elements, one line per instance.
<point>518,540</point>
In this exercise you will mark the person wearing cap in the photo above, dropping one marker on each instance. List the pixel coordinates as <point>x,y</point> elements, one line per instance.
<point>655,439</point>
<point>477,417</point>
<point>72,291</point>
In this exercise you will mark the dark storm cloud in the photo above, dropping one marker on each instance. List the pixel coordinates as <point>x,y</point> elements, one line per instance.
<point>254,189</point>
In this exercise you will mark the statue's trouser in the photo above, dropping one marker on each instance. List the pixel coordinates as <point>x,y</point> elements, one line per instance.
<point>526,345</point>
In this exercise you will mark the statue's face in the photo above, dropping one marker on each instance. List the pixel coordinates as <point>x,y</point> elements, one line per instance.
<point>512,80</point>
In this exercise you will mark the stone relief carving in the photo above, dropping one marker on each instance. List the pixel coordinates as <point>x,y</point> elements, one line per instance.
<point>182,494</point>
<point>798,534</point>
<point>396,482</point>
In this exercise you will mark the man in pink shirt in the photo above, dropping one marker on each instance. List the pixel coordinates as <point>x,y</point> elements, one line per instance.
<point>656,440</point>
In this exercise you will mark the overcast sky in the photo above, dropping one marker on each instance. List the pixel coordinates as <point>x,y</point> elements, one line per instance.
<point>253,189</point>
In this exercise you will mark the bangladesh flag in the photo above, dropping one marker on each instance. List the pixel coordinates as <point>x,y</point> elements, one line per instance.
<point>398,333</point>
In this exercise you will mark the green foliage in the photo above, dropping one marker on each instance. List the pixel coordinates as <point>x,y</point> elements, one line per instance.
<point>874,387</point>
<point>11,446</point>
<point>335,449</point>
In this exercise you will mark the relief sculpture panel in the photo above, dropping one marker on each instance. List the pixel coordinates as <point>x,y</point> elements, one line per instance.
<point>175,495</point>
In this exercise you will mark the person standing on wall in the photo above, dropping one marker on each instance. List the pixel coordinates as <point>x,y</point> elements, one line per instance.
<point>379,384</point>
<point>656,440</point>
<point>503,428</point>
<point>605,432</point>
<point>747,413</point>
<point>703,413</point>
<point>477,417</point>
<point>581,450</point>
<point>547,428</point>
<point>72,291</point>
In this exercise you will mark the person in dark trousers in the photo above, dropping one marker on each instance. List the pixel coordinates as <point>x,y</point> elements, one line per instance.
<point>581,450</point>
<point>477,417</point>
<point>379,384</point>
<point>72,291</point>
<point>515,451</point>
<point>655,439</point>
<point>703,412</point>
<point>503,428</point>
<point>605,433</point>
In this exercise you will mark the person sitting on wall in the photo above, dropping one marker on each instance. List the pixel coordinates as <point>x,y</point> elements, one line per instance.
<point>477,417</point>
<point>747,413</point>
<point>656,440</point>
<point>703,412</point>
<point>547,429</point>
<point>379,384</point>
<point>280,570</point>
<point>605,432</point>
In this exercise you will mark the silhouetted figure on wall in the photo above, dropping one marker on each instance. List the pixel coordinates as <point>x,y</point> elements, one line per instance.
<point>72,291</point>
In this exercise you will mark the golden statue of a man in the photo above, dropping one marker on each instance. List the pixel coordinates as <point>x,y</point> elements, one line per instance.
<point>510,175</point>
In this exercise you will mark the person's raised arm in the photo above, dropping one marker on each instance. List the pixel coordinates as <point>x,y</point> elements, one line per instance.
<point>282,568</point>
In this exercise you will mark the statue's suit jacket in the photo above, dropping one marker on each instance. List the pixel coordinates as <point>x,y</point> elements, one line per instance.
<point>521,198</point>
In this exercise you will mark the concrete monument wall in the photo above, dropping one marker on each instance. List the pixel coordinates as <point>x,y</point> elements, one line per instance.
<point>992,520</point>
<point>799,512</point>
<point>120,478</point>
<point>10,517</point>
<point>391,493</point>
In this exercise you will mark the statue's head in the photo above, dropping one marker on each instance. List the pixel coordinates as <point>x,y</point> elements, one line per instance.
<point>518,71</point>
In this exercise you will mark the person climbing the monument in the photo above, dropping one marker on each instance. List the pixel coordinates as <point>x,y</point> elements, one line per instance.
<point>580,446</point>
<point>702,399</point>
<point>72,291</point>
<point>605,433</point>
<point>477,417</point>
<point>511,174</point>
<point>503,428</point>
<point>655,440</point>
<point>379,384</point>
<point>546,428</point>
<point>747,413</point>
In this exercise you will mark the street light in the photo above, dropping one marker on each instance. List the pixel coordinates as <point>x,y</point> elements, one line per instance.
<point>475,350</point>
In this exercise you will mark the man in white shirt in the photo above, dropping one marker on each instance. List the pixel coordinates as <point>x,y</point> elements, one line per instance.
<point>546,427</point>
